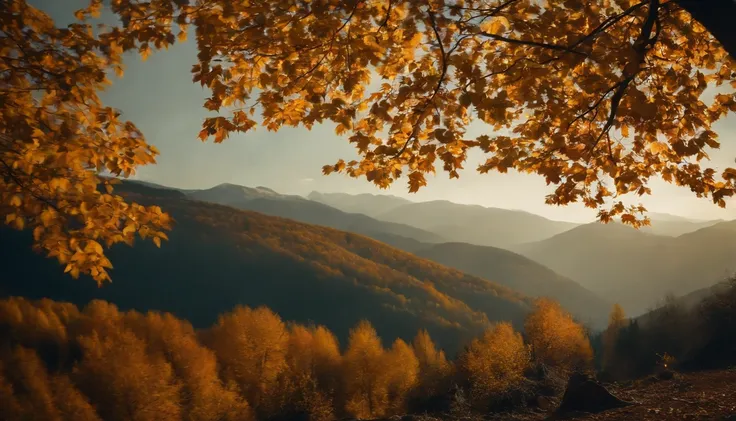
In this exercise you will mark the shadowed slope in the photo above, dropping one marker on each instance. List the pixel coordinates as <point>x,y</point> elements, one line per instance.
<point>521,274</point>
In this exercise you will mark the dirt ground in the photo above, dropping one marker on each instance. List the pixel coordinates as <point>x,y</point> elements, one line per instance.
<point>706,395</point>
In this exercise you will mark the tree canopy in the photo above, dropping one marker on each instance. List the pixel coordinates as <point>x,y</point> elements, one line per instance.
<point>598,97</point>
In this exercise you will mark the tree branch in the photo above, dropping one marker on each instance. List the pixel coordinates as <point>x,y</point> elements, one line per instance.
<point>444,64</point>
<point>641,46</point>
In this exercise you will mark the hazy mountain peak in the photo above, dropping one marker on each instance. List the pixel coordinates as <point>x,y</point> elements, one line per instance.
<point>267,201</point>
<point>237,192</point>
<point>476,224</point>
<point>658,216</point>
<point>266,190</point>
<point>366,203</point>
<point>315,194</point>
<point>615,228</point>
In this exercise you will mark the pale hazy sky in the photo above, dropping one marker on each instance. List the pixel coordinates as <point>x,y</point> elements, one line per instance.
<point>160,98</point>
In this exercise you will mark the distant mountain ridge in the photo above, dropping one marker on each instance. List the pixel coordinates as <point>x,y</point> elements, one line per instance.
<point>236,194</point>
<point>386,207</point>
<point>476,224</point>
<point>635,268</point>
<point>268,201</point>
<point>372,205</point>
<point>674,225</point>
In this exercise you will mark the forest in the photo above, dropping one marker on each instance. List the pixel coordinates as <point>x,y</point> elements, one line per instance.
<point>59,362</point>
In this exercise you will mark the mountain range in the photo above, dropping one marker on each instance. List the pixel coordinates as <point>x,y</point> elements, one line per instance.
<point>523,275</point>
<point>372,205</point>
<point>637,269</point>
<point>674,226</point>
<point>219,256</point>
<point>504,267</point>
<point>456,222</point>
<point>265,200</point>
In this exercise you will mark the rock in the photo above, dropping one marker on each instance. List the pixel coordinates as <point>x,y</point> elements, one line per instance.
<point>585,394</point>
<point>545,403</point>
<point>666,375</point>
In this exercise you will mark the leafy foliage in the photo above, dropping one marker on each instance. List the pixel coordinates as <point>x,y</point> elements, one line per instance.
<point>557,79</point>
<point>556,339</point>
<point>433,365</point>
<point>56,138</point>
<point>60,363</point>
<point>495,362</point>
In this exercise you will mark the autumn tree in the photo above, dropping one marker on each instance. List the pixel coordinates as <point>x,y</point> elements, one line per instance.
<point>364,375</point>
<point>39,326</point>
<point>494,363</point>
<point>556,339</point>
<point>326,359</point>
<point>10,408</point>
<point>402,371</point>
<point>123,380</point>
<point>433,365</point>
<point>251,346</point>
<point>205,397</point>
<point>29,391</point>
<point>616,322</point>
<point>312,361</point>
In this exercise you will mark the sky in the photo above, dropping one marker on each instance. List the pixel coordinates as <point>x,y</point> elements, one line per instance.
<point>159,97</point>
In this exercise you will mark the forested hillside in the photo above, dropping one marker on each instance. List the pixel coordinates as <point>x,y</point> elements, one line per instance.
<point>501,266</point>
<point>218,257</point>
<point>521,274</point>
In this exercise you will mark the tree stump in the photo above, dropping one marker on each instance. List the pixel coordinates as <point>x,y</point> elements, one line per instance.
<point>584,394</point>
